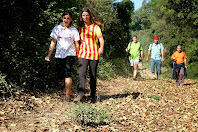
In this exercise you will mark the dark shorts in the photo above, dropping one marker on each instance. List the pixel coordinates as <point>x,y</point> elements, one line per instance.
<point>64,66</point>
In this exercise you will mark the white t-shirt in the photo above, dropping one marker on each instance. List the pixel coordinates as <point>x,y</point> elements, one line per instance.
<point>65,40</point>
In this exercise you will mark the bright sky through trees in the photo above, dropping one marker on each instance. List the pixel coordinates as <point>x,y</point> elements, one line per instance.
<point>137,3</point>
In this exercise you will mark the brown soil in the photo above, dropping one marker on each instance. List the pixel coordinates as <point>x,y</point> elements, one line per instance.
<point>142,105</point>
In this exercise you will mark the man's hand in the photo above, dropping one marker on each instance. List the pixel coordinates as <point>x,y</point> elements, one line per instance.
<point>126,50</point>
<point>162,59</point>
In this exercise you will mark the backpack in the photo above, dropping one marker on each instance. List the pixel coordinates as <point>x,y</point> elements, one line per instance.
<point>152,45</point>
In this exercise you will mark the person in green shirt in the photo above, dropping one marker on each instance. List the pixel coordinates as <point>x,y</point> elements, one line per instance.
<point>134,49</point>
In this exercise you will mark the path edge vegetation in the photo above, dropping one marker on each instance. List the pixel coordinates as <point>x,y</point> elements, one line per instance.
<point>27,40</point>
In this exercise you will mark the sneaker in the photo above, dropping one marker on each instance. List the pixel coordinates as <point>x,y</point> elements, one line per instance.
<point>181,84</point>
<point>78,99</point>
<point>67,98</point>
<point>93,100</point>
<point>158,78</point>
<point>134,78</point>
<point>154,78</point>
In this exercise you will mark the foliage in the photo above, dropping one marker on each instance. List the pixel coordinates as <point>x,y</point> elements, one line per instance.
<point>27,37</point>
<point>26,26</point>
<point>116,18</point>
<point>4,87</point>
<point>175,22</point>
<point>26,40</point>
<point>105,69</point>
<point>86,114</point>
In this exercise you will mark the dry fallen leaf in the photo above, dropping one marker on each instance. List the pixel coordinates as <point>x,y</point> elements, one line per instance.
<point>175,110</point>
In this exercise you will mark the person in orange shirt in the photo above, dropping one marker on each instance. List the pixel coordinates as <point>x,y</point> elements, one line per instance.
<point>89,52</point>
<point>179,69</point>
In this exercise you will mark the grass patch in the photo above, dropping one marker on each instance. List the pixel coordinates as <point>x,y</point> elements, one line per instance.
<point>128,91</point>
<point>86,114</point>
<point>153,97</point>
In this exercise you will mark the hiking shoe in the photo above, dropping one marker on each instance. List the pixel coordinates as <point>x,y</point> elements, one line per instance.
<point>93,100</point>
<point>78,99</point>
<point>67,98</point>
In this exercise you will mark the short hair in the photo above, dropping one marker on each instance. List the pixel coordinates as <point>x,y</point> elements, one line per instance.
<point>178,45</point>
<point>135,36</point>
<point>67,12</point>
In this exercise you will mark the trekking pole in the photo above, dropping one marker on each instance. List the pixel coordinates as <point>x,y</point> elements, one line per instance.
<point>142,70</point>
<point>129,64</point>
<point>127,56</point>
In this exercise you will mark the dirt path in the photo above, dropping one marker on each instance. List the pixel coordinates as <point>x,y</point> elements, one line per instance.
<point>146,72</point>
<point>143,71</point>
<point>143,105</point>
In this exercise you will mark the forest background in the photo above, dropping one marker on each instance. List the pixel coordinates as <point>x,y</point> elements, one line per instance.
<point>26,26</point>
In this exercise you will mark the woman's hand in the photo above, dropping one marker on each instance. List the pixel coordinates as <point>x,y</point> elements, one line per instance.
<point>47,58</point>
<point>101,51</point>
<point>51,48</point>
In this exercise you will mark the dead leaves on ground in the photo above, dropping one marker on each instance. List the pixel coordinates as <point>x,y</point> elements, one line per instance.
<point>150,105</point>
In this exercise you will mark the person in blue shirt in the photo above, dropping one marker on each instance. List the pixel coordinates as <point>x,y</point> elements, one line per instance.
<point>156,50</point>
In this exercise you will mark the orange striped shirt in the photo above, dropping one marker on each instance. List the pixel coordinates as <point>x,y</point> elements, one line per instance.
<point>89,42</point>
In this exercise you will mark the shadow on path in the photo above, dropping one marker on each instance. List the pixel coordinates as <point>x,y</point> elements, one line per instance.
<point>116,96</point>
<point>190,83</point>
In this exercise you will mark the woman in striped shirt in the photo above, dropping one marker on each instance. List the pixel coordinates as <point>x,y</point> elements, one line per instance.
<point>89,51</point>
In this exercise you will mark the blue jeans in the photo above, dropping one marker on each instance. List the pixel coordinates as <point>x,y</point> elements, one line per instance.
<point>158,63</point>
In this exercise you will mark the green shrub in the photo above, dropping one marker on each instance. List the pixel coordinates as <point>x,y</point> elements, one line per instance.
<point>105,69</point>
<point>4,87</point>
<point>86,114</point>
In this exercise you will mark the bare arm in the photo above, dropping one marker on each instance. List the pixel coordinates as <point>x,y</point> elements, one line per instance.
<point>141,52</point>
<point>149,52</point>
<point>162,51</point>
<point>51,48</point>
<point>76,43</point>
<point>185,61</point>
<point>142,55</point>
<point>101,49</point>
